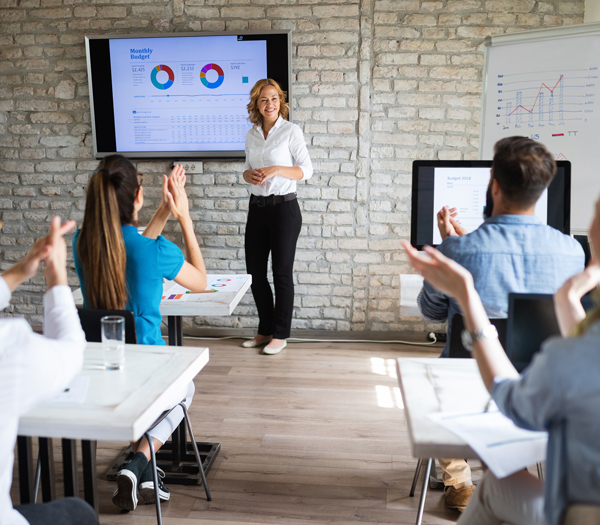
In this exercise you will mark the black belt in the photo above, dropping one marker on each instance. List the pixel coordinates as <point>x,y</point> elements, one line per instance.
<point>271,200</point>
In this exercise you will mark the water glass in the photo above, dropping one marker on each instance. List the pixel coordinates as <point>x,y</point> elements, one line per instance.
<point>113,342</point>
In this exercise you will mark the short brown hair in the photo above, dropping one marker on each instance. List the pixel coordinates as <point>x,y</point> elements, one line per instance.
<point>254,115</point>
<point>523,168</point>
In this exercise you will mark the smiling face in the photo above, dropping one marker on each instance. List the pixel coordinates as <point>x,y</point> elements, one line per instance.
<point>269,104</point>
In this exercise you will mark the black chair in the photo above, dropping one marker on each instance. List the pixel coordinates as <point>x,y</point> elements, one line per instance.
<point>90,322</point>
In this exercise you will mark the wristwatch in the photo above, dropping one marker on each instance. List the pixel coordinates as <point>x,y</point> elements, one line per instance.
<point>470,338</point>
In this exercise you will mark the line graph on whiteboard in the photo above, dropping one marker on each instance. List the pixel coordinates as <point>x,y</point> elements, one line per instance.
<point>537,100</point>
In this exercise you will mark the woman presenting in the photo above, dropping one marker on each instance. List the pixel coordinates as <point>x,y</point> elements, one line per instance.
<point>276,157</point>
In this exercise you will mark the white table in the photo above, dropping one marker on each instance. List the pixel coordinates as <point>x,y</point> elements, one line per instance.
<point>436,385</point>
<point>221,303</point>
<point>119,406</point>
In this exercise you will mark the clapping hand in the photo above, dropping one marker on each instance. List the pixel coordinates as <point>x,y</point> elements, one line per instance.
<point>448,224</point>
<point>174,193</point>
<point>443,273</point>
<point>51,248</point>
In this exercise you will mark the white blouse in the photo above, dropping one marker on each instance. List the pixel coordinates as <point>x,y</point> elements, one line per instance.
<point>284,146</point>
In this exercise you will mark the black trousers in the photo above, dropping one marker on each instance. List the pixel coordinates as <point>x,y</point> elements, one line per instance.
<point>64,511</point>
<point>273,229</point>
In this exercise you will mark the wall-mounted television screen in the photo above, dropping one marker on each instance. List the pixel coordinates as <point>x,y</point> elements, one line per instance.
<point>180,95</point>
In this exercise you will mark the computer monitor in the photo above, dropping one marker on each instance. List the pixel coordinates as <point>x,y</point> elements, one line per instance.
<point>462,184</point>
<point>531,320</point>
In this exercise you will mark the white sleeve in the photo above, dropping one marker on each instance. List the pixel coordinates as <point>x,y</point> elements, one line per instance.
<point>247,150</point>
<point>44,365</point>
<point>5,294</point>
<point>299,153</point>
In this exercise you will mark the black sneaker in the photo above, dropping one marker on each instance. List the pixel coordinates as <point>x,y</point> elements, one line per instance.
<point>146,488</point>
<point>125,495</point>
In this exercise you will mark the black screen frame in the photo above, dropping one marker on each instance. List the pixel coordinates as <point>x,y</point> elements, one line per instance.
<point>558,191</point>
<point>279,68</point>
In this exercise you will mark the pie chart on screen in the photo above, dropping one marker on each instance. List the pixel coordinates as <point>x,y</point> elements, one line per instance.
<point>154,77</point>
<point>217,69</point>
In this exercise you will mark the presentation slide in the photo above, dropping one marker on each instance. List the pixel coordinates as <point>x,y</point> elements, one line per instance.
<point>184,93</point>
<point>465,190</point>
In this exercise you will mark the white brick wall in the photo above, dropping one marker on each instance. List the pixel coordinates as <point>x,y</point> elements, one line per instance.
<point>378,83</point>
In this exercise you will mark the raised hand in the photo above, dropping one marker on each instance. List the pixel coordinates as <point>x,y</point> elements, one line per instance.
<point>567,300</point>
<point>443,273</point>
<point>42,249</point>
<point>56,262</point>
<point>447,223</point>
<point>177,199</point>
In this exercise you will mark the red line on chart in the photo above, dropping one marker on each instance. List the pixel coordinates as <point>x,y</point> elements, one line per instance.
<point>558,134</point>
<point>537,96</point>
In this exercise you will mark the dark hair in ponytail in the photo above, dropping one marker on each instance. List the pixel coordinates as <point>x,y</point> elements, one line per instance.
<point>109,204</point>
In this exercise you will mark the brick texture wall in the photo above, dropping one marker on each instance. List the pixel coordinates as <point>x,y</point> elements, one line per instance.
<point>378,83</point>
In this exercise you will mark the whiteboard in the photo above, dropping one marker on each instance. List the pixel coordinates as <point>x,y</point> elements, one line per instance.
<point>545,85</point>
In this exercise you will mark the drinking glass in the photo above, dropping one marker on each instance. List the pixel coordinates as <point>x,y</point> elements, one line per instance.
<point>113,342</point>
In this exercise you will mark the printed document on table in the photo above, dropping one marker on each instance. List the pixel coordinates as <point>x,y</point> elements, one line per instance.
<point>74,393</point>
<point>499,443</point>
<point>175,293</point>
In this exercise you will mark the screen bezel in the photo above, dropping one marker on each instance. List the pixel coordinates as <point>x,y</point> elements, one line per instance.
<point>417,164</point>
<point>279,67</point>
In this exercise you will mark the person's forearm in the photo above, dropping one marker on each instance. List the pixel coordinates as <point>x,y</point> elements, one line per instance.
<point>489,354</point>
<point>193,254</point>
<point>569,311</point>
<point>158,222</point>
<point>290,172</point>
<point>14,277</point>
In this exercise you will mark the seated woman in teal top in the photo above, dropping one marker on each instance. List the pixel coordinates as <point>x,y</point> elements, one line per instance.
<point>120,269</point>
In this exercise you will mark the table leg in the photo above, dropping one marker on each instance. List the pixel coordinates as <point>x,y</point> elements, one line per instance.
<point>90,484</point>
<point>424,492</point>
<point>26,471</point>
<point>48,478</point>
<point>179,330</point>
<point>171,323</point>
<point>71,479</point>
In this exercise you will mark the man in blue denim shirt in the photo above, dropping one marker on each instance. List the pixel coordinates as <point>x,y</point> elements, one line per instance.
<point>512,251</point>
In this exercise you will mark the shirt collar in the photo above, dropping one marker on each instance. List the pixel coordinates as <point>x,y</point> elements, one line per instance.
<point>513,219</point>
<point>278,122</point>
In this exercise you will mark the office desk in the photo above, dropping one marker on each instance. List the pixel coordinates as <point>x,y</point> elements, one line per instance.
<point>119,406</point>
<point>436,385</point>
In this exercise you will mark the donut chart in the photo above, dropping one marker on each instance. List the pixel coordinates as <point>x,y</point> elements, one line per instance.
<point>166,69</point>
<point>216,83</point>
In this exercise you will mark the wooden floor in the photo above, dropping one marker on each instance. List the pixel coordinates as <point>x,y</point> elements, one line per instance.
<point>314,435</point>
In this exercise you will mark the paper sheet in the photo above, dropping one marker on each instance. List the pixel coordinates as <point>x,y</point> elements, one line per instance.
<point>175,293</point>
<point>225,283</point>
<point>75,392</point>
<point>499,443</point>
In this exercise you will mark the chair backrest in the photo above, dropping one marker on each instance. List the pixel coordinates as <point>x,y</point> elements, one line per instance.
<point>457,325</point>
<point>90,322</point>
<point>578,514</point>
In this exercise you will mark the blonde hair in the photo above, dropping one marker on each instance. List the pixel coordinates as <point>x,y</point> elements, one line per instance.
<point>253,113</point>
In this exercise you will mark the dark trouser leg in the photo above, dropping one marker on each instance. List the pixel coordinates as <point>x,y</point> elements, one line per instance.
<point>64,511</point>
<point>285,229</point>
<point>258,246</point>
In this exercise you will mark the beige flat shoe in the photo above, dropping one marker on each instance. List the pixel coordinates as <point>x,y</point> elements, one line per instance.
<point>272,351</point>
<point>251,343</point>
